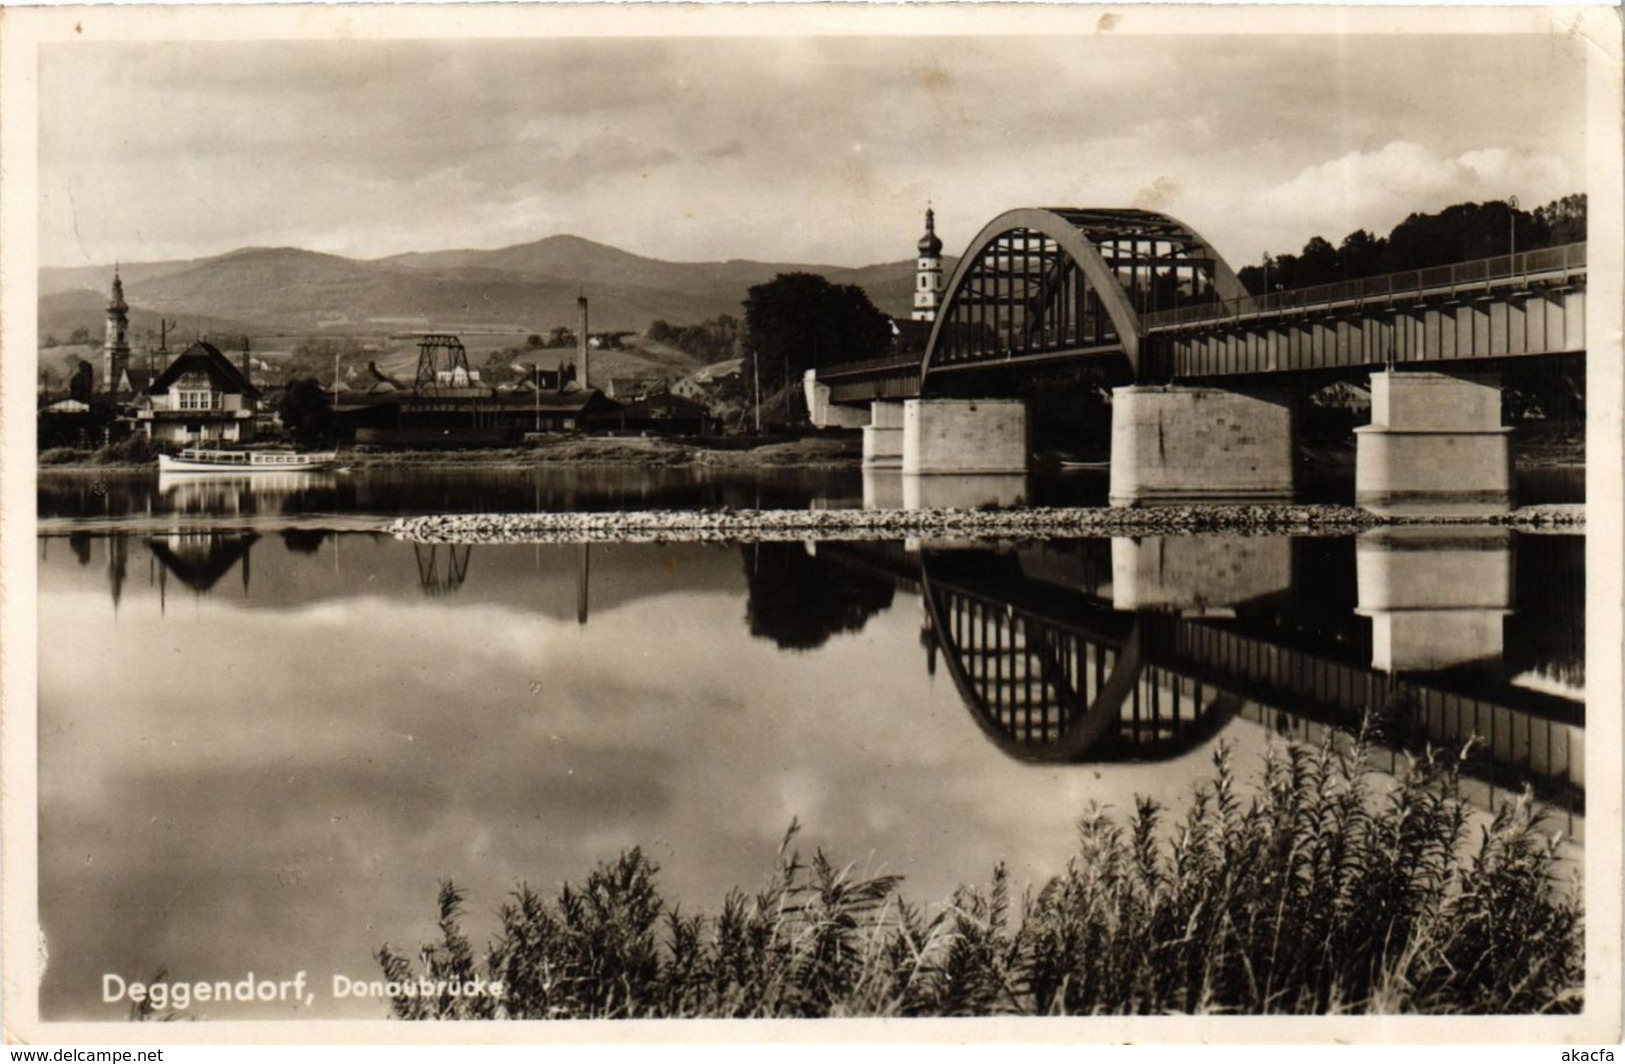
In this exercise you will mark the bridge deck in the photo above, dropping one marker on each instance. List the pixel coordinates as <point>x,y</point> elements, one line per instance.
<point>1508,306</point>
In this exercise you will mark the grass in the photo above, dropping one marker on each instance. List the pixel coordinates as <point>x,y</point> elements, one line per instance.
<point>1326,889</point>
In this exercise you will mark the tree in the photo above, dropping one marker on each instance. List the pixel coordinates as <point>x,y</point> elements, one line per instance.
<point>1319,263</point>
<point>799,600</point>
<point>1363,254</point>
<point>314,357</point>
<point>561,336</point>
<point>83,383</point>
<point>1564,219</point>
<point>800,321</point>
<point>1459,233</point>
<point>80,335</point>
<point>305,411</point>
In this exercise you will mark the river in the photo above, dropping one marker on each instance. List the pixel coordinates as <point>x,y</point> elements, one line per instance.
<point>264,744</point>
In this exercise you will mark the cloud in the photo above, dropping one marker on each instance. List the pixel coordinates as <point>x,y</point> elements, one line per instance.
<point>1377,189</point>
<point>731,150</point>
<point>335,145</point>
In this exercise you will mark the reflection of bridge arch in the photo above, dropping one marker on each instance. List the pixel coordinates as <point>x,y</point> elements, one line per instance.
<point>1038,284</point>
<point>441,574</point>
<point>1048,689</point>
<point>1155,685</point>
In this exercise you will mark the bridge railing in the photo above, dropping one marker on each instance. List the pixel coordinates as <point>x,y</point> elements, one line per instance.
<point>870,365</point>
<point>1478,273</point>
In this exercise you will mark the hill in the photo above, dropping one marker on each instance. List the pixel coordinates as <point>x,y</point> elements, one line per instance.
<point>525,287</point>
<point>60,313</point>
<point>890,285</point>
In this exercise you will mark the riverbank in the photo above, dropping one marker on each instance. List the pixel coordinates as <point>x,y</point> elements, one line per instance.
<point>822,451</point>
<point>1036,522</point>
<point>1533,447</point>
<point>1322,893</point>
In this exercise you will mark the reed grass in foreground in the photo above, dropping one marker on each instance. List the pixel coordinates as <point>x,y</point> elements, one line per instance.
<point>1325,889</point>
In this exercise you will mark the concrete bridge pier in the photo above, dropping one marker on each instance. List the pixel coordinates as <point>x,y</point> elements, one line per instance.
<point>964,436</point>
<point>1436,596</point>
<point>1435,445</point>
<point>1185,444</point>
<point>883,436</point>
<point>824,414</point>
<point>882,489</point>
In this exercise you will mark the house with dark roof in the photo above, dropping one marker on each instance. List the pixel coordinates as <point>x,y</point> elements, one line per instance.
<point>134,382</point>
<point>466,417</point>
<point>663,413</point>
<point>200,397</point>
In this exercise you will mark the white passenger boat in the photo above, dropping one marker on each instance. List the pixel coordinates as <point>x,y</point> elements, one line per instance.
<point>199,460</point>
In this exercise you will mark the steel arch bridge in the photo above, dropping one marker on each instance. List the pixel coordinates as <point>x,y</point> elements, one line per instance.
<point>1048,284</point>
<point>1041,284</point>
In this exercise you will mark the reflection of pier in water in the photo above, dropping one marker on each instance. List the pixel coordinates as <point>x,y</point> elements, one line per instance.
<point>1055,666</point>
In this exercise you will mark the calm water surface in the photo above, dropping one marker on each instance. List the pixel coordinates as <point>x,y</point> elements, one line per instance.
<point>262,749</point>
<point>85,497</point>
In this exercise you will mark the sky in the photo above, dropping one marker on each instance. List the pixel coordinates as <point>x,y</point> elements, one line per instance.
<point>790,149</point>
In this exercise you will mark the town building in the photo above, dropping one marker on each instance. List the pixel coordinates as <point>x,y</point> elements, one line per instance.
<point>664,414</point>
<point>635,387</point>
<point>200,397</point>
<point>910,337</point>
<point>928,280</point>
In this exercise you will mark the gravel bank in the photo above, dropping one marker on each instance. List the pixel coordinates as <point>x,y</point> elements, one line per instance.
<point>1026,523</point>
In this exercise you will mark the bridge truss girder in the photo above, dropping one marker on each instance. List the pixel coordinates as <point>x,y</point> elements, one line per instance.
<point>1044,284</point>
<point>1500,321</point>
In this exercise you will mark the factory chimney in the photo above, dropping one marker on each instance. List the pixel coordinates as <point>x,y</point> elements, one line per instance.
<point>581,339</point>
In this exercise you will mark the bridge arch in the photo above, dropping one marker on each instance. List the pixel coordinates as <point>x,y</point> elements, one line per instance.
<point>1048,283</point>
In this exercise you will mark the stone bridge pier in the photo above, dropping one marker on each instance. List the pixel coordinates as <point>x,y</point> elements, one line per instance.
<point>1183,444</point>
<point>1435,445</point>
<point>937,437</point>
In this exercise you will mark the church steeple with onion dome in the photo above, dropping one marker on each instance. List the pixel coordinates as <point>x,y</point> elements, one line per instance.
<point>116,345</point>
<point>928,280</point>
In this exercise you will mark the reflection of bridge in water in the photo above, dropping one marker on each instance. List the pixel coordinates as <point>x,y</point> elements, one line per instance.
<point>442,567</point>
<point>1059,660</point>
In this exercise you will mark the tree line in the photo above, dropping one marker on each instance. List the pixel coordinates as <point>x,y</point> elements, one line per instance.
<point>713,340</point>
<point>1458,233</point>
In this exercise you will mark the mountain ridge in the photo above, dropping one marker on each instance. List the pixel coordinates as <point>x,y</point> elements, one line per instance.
<point>531,285</point>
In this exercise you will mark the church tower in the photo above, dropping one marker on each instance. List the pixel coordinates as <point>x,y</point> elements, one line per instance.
<point>928,281</point>
<point>116,346</point>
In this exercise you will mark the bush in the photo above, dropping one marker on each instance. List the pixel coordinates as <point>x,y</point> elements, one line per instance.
<point>62,456</point>
<point>1320,893</point>
<point>132,450</point>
